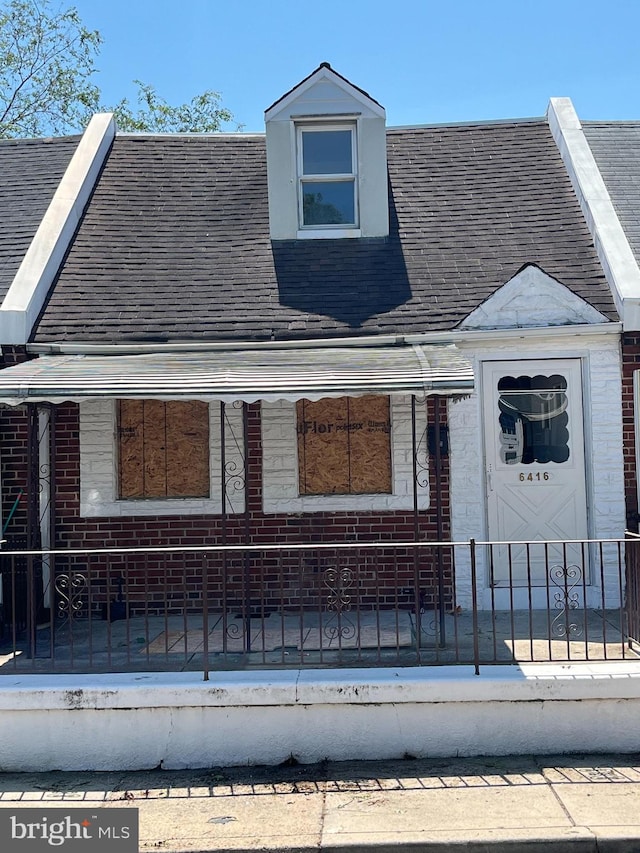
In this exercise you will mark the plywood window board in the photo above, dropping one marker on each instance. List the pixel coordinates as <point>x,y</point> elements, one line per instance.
<point>344,446</point>
<point>163,449</point>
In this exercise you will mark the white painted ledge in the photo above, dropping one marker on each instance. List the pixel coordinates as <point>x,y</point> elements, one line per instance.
<point>143,720</point>
<point>273,688</point>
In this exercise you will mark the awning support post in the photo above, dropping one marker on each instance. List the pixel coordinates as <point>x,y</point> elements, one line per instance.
<point>439,518</point>
<point>33,527</point>
<point>417,592</point>
<point>247,529</point>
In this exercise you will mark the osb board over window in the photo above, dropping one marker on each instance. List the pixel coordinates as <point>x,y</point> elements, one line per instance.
<point>163,449</point>
<point>344,446</point>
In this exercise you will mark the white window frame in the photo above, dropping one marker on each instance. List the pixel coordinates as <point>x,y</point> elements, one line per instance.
<point>99,467</point>
<point>280,478</point>
<point>328,230</point>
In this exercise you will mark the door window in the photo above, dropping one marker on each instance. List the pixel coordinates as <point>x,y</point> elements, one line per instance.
<point>533,419</point>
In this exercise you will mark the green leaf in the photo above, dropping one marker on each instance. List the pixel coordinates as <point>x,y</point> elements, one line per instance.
<point>47,80</point>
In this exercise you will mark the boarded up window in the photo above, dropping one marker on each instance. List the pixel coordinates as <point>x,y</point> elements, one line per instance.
<point>163,449</point>
<point>344,446</point>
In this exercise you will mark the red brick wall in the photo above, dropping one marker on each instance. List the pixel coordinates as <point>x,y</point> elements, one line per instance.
<point>630,363</point>
<point>387,577</point>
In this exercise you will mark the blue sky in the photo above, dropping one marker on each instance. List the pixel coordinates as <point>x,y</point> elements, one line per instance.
<point>424,61</point>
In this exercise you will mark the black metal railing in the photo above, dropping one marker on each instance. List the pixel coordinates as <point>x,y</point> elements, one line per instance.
<point>632,589</point>
<point>360,604</point>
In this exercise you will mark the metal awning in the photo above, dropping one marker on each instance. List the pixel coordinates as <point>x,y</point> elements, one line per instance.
<point>247,375</point>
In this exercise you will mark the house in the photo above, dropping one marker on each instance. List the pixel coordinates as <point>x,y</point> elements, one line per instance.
<point>329,335</point>
<point>294,273</point>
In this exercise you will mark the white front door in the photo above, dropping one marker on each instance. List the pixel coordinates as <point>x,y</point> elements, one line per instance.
<point>535,474</point>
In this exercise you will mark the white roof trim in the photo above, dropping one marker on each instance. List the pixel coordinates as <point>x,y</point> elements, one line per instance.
<point>324,73</point>
<point>30,287</point>
<point>612,246</point>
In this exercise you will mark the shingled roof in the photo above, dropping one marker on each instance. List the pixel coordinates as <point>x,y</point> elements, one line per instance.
<point>30,171</point>
<point>616,148</point>
<point>174,244</point>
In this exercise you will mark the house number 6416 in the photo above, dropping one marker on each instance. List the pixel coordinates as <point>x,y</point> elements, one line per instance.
<point>532,478</point>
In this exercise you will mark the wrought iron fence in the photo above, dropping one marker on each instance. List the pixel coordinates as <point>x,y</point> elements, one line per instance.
<point>632,588</point>
<point>359,604</point>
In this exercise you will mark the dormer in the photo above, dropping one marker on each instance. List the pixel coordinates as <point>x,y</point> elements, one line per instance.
<point>326,161</point>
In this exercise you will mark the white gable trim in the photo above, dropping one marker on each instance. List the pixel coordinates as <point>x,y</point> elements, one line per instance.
<point>323,73</point>
<point>611,244</point>
<point>29,289</point>
<point>532,299</point>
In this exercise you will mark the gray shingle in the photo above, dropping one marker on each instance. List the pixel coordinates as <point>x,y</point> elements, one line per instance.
<point>30,171</point>
<point>616,148</point>
<point>174,244</point>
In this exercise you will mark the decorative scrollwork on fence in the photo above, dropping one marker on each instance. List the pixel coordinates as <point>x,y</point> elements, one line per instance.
<point>234,478</point>
<point>428,625</point>
<point>70,594</point>
<point>422,461</point>
<point>44,476</point>
<point>426,619</point>
<point>234,630</point>
<point>339,581</point>
<point>566,599</point>
<point>235,468</point>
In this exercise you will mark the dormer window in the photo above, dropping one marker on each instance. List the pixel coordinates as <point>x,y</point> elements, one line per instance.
<point>326,161</point>
<point>327,176</point>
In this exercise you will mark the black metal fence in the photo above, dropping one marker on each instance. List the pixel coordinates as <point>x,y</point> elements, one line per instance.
<point>632,588</point>
<point>361,604</point>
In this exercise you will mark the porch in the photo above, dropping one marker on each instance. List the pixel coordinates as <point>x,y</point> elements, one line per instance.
<point>324,606</point>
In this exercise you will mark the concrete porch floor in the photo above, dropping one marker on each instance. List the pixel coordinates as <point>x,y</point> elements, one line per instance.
<point>328,639</point>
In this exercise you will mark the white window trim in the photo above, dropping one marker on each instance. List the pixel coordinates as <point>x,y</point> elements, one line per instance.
<point>334,233</point>
<point>280,482</point>
<point>99,467</point>
<point>338,230</point>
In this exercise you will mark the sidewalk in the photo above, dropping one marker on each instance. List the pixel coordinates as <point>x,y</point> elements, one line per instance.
<point>518,803</point>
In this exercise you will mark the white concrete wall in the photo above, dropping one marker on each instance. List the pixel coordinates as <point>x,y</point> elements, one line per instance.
<point>143,720</point>
<point>602,402</point>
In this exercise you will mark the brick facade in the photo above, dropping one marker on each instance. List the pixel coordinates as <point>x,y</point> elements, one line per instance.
<point>387,577</point>
<point>630,363</point>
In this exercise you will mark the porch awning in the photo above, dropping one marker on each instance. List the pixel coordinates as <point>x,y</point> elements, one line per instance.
<point>247,375</point>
